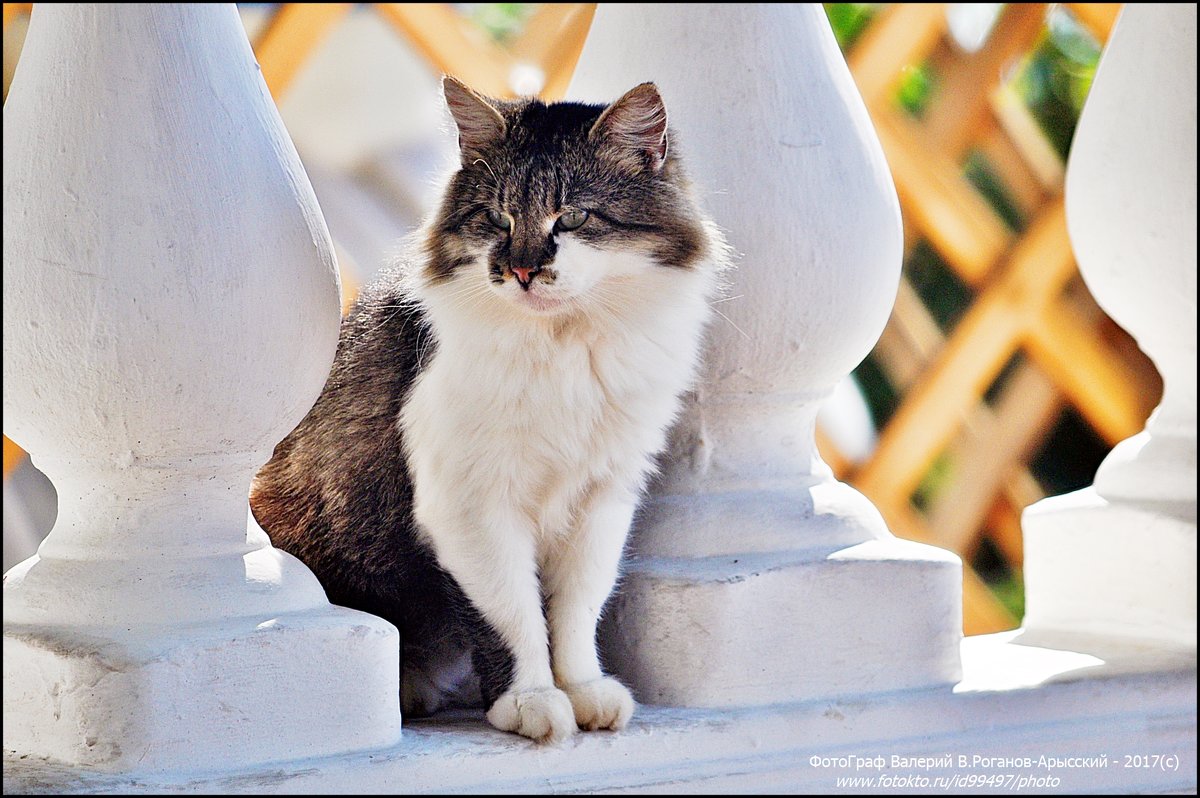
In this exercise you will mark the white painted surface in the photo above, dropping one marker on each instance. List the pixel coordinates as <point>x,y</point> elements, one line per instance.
<point>1015,701</point>
<point>1120,558</point>
<point>170,313</point>
<point>1108,568</point>
<point>364,112</point>
<point>741,535</point>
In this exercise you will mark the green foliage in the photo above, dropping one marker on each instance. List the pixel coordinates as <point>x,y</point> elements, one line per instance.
<point>941,291</point>
<point>979,171</point>
<point>1010,590</point>
<point>882,399</point>
<point>848,20</point>
<point>940,471</point>
<point>502,21</point>
<point>1056,78</point>
<point>917,85</point>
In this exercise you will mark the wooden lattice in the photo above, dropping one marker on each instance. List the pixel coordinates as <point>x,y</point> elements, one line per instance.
<point>1027,297</point>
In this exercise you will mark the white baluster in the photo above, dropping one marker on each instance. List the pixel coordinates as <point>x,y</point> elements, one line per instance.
<point>757,576</point>
<point>1118,560</point>
<point>170,312</point>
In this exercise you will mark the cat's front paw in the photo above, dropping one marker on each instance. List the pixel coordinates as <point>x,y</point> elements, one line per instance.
<point>601,703</point>
<point>541,715</point>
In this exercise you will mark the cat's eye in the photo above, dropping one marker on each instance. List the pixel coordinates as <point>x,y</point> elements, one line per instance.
<point>500,220</point>
<point>571,220</point>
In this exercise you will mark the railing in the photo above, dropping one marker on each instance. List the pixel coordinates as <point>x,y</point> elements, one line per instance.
<point>179,320</point>
<point>1029,307</point>
<point>757,578</point>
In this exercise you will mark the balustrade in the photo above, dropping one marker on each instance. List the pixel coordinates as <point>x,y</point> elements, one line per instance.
<point>170,313</point>
<point>1118,560</point>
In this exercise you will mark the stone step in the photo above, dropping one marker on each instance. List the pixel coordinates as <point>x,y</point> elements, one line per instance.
<point>1124,722</point>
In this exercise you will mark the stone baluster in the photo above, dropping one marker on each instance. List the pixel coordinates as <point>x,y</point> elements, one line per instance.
<point>170,313</point>
<point>1118,560</point>
<point>756,577</point>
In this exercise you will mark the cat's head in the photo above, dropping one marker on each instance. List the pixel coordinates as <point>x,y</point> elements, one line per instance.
<point>556,202</point>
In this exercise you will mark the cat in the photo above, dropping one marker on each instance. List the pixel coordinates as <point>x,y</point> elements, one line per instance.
<point>473,464</point>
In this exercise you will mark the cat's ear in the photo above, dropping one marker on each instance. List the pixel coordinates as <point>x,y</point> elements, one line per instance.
<point>479,123</point>
<point>635,127</point>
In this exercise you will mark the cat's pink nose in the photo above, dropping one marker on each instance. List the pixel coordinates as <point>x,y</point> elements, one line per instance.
<point>524,274</point>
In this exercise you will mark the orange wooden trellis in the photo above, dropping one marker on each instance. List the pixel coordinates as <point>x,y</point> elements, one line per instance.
<point>1028,297</point>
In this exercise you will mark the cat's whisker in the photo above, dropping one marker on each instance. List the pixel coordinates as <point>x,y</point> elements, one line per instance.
<point>495,180</point>
<point>384,322</point>
<point>603,304</point>
<point>731,324</point>
<point>468,295</point>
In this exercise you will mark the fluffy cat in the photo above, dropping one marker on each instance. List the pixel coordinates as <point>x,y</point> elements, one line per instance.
<point>473,464</point>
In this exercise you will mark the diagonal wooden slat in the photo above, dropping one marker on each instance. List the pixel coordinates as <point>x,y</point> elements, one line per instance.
<point>975,107</point>
<point>1100,385</point>
<point>1026,134</point>
<point>13,455</point>
<point>984,339</point>
<point>290,38</point>
<point>1024,188</point>
<point>535,42</point>
<point>999,440</point>
<point>911,339</point>
<point>942,203</point>
<point>566,45</point>
<point>903,33</point>
<point>959,112</point>
<point>451,46</point>
<point>1098,18</point>
<point>1003,528</point>
<point>11,10</point>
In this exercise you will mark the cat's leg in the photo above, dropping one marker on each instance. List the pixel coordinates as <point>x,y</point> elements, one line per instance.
<point>494,564</point>
<point>578,575</point>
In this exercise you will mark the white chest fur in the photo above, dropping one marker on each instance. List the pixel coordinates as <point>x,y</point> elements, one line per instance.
<point>529,437</point>
<point>527,416</point>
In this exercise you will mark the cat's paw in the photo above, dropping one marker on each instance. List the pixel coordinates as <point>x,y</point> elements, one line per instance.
<point>541,715</point>
<point>600,704</point>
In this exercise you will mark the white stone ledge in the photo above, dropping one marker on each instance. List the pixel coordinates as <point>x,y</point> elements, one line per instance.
<point>1015,701</point>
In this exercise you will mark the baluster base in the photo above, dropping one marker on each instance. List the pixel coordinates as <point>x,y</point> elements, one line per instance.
<point>768,628</point>
<point>183,697</point>
<point>1113,570</point>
